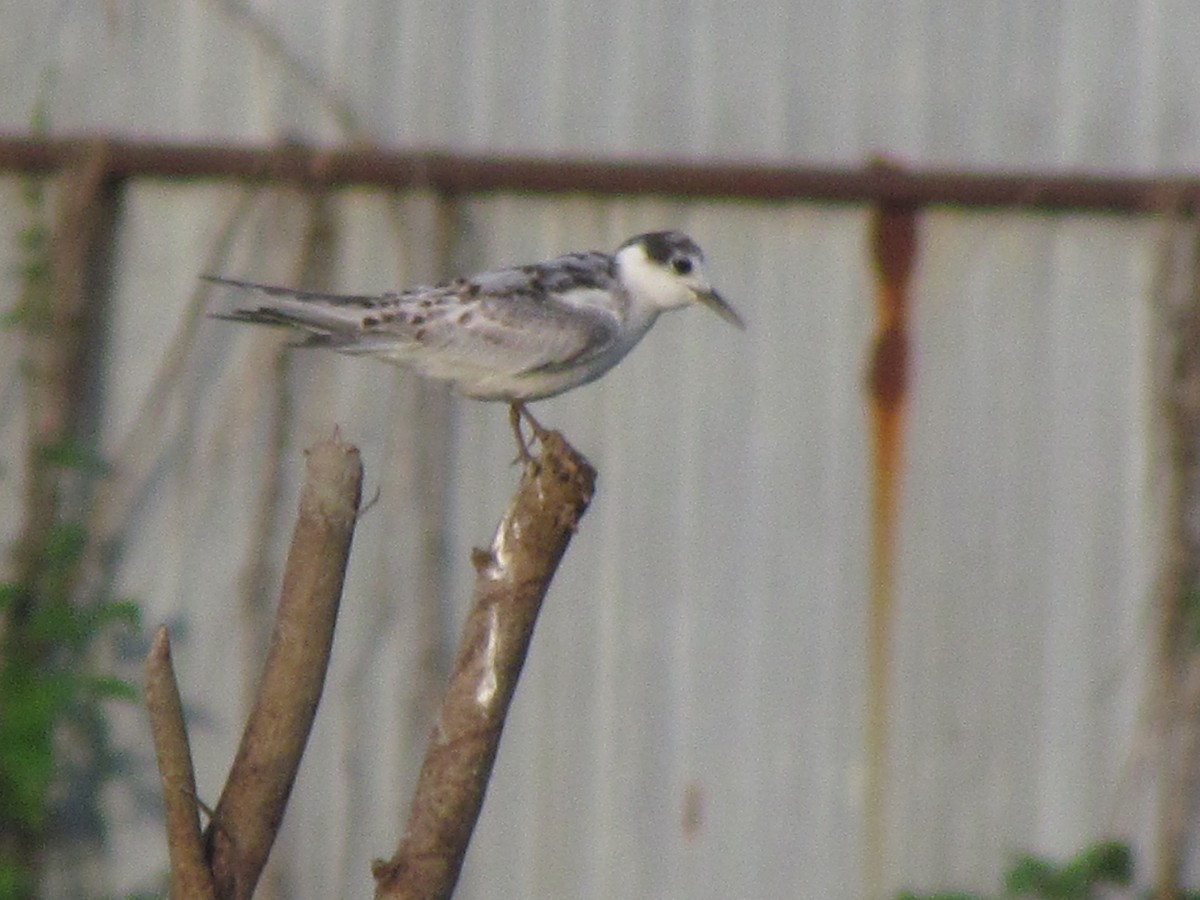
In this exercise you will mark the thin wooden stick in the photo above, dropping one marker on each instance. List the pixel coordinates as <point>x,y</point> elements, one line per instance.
<point>190,877</point>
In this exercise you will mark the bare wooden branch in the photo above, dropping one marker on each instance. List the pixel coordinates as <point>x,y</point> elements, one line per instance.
<point>58,334</point>
<point>272,44</point>
<point>251,808</point>
<point>1176,687</point>
<point>190,877</point>
<point>138,451</point>
<point>513,576</point>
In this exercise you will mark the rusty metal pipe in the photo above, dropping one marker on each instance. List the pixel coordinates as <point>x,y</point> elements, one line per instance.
<point>456,173</point>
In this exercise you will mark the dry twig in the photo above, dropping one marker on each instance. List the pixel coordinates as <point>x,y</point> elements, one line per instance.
<point>190,877</point>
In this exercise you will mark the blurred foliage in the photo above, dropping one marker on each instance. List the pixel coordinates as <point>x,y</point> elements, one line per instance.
<point>1095,872</point>
<point>56,751</point>
<point>1106,863</point>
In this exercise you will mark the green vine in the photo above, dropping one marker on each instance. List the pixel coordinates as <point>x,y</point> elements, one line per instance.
<point>55,746</point>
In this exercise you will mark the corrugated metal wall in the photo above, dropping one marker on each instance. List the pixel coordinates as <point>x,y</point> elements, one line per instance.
<point>702,651</point>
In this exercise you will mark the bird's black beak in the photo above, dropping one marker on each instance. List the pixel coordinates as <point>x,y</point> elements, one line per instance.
<point>717,304</point>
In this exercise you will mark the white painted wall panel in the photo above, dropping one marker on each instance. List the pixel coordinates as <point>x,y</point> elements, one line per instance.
<point>704,643</point>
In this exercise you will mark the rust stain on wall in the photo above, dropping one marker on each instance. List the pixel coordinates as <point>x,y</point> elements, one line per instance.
<point>893,252</point>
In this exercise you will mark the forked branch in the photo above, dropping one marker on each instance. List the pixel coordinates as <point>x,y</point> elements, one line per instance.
<point>247,817</point>
<point>513,576</point>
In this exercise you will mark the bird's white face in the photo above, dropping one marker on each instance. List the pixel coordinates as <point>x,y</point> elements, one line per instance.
<point>665,270</point>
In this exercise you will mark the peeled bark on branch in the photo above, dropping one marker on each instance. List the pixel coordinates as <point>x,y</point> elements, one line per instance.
<point>513,577</point>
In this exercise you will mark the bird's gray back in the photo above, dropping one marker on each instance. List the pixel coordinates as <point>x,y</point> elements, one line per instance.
<point>520,332</point>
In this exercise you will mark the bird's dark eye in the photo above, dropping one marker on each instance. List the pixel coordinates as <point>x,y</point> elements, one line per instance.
<point>682,266</point>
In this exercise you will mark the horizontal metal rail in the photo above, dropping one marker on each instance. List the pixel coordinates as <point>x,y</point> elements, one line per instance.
<point>456,173</point>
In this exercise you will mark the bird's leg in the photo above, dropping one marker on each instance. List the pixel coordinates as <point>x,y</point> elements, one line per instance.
<point>514,418</point>
<point>517,411</point>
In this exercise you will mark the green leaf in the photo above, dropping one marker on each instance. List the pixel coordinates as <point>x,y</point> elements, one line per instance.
<point>56,623</point>
<point>64,545</point>
<point>33,237</point>
<point>14,316</point>
<point>32,703</point>
<point>1029,875</point>
<point>72,453</point>
<point>125,612</point>
<point>11,594</point>
<point>14,880</point>
<point>1106,862</point>
<point>106,687</point>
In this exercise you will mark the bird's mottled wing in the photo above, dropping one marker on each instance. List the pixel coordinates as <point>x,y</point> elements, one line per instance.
<point>505,322</point>
<point>514,321</point>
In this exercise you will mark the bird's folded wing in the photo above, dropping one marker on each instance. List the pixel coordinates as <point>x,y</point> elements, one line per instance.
<point>461,325</point>
<point>515,333</point>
